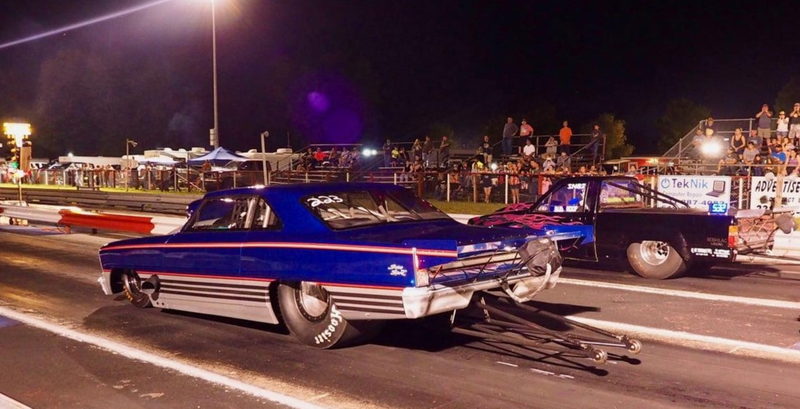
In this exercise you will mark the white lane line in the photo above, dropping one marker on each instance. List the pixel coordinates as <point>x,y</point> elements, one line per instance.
<point>164,362</point>
<point>704,342</point>
<point>763,302</point>
<point>8,403</point>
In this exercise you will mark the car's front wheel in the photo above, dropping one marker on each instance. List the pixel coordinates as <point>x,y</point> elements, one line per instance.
<point>311,316</point>
<point>655,259</point>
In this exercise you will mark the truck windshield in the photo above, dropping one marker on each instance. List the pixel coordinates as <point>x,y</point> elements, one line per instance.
<point>342,210</point>
<point>569,198</point>
<point>620,193</point>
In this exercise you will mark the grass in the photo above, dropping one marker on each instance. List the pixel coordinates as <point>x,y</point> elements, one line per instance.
<point>102,189</point>
<point>466,207</point>
<point>447,207</point>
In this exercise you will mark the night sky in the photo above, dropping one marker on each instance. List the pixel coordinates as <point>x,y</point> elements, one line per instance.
<point>347,71</point>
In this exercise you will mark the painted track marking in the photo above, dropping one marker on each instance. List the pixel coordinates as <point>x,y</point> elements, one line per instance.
<point>762,302</point>
<point>690,340</point>
<point>8,403</point>
<point>151,358</point>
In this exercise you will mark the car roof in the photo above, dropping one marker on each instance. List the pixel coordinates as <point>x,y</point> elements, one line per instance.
<point>286,200</point>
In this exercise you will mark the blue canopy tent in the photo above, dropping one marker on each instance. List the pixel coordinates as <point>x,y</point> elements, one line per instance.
<point>217,157</point>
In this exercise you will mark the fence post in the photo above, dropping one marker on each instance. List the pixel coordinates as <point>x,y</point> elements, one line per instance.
<point>306,176</point>
<point>448,186</point>
<point>234,179</point>
<point>474,188</point>
<point>347,176</point>
<point>505,182</point>
<point>741,191</point>
<point>394,178</point>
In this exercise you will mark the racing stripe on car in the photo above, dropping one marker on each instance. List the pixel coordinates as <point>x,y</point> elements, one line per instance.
<point>292,245</point>
<point>194,286</point>
<point>384,302</point>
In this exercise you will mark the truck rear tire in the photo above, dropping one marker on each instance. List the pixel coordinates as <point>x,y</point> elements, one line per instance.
<point>311,316</point>
<point>655,259</point>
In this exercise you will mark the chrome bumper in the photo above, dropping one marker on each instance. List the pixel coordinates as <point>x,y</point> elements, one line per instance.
<point>424,301</point>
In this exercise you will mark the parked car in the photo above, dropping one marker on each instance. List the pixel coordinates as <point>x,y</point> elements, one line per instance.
<point>329,260</point>
<point>604,218</point>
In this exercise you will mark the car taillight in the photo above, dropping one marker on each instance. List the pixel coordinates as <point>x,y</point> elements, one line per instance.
<point>733,235</point>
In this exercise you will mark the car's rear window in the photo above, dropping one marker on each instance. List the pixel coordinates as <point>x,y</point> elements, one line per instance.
<point>342,210</point>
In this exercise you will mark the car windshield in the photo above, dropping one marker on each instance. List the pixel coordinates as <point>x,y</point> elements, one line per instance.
<point>342,210</point>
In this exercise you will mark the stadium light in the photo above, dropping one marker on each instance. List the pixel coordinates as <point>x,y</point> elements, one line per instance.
<point>711,149</point>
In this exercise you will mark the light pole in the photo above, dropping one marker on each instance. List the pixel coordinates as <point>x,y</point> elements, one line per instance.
<point>128,144</point>
<point>215,138</point>
<point>264,135</point>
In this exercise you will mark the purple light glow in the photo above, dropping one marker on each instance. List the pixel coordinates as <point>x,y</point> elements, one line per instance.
<point>318,101</point>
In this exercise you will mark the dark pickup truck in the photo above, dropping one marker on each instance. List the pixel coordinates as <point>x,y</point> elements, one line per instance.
<point>599,218</point>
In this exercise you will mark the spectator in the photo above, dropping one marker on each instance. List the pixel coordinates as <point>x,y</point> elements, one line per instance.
<point>564,162</point>
<point>485,181</point>
<point>486,149</point>
<point>782,129</point>
<point>344,158</point>
<point>738,142</point>
<point>387,153</point>
<point>764,121</point>
<point>697,143</point>
<point>749,153</point>
<point>533,179</point>
<point>565,136</point>
<point>395,154</point>
<point>525,131</point>
<point>778,154</point>
<point>416,150</point>
<point>709,124</point>
<point>551,146</point>
<point>427,149</point>
<point>510,129</point>
<point>794,122</point>
<point>758,166</point>
<point>787,143</point>
<point>596,142</point>
<point>727,164</point>
<point>528,150</point>
<point>512,173</point>
<point>756,140</point>
<point>319,157</point>
<point>548,165</point>
<point>444,151</point>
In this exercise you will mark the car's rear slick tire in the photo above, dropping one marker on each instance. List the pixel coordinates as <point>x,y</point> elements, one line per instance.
<point>132,287</point>
<point>655,260</point>
<point>312,318</point>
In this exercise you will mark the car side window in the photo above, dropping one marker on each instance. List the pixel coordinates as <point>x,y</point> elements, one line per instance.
<point>222,214</point>
<point>263,216</point>
<point>570,198</point>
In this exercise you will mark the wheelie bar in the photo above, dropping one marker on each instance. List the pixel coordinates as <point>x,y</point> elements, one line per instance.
<point>494,323</point>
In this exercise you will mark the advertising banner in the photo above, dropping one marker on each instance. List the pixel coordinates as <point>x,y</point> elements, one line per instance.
<point>762,192</point>
<point>698,191</point>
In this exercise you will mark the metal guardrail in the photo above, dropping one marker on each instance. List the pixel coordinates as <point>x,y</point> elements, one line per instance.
<point>90,199</point>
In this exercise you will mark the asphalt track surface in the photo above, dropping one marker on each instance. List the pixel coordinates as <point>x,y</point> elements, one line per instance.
<point>50,277</point>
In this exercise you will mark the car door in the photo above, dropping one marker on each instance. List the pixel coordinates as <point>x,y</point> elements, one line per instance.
<point>261,261</point>
<point>210,244</point>
<point>566,213</point>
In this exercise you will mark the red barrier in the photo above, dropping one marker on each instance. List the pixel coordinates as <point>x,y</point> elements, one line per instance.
<point>135,224</point>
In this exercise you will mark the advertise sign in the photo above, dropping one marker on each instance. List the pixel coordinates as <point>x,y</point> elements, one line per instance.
<point>762,192</point>
<point>698,191</point>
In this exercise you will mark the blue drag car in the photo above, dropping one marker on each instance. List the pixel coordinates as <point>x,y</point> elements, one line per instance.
<point>328,260</point>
